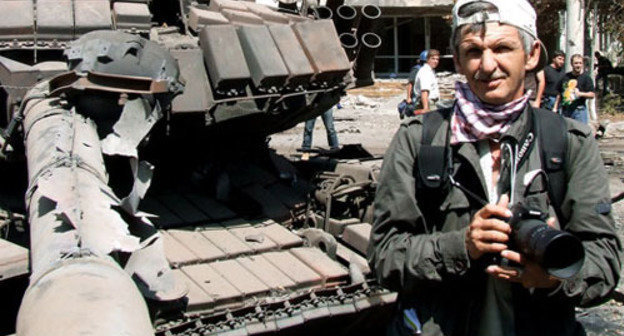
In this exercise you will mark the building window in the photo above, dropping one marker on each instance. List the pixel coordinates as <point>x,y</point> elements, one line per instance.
<point>404,38</point>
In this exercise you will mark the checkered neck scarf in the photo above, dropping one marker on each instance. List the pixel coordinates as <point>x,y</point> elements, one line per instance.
<point>474,120</point>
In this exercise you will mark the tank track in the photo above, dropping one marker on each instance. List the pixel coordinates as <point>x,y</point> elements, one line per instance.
<point>280,315</point>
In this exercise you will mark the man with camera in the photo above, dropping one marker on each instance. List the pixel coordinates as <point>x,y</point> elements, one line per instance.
<point>473,208</point>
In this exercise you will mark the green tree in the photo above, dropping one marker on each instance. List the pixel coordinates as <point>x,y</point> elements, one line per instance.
<point>610,15</point>
<point>547,15</point>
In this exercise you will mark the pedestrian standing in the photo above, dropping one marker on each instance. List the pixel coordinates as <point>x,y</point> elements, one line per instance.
<point>422,59</point>
<point>328,121</point>
<point>553,73</point>
<point>604,67</point>
<point>575,87</point>
<point>426,88</point>
<point>535,82</point>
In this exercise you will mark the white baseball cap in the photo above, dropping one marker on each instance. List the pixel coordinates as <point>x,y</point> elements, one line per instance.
<point>517,13</point>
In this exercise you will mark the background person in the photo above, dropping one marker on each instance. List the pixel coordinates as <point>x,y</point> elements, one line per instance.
<point>328,121</point>
<point>553,73</point>
<point>426,89</point>
<point>435,246</point>
<point>604,67</point>
<point>535,82</point>
<point>422,59</point>
<point>575,87</point>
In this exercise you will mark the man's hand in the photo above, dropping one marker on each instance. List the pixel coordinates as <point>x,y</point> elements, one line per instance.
<point>529,274</point>
<point>424,99</point>
<point>577,92</point>
<point>556,105</point>
<point>487,234</point>
<point>410,87</point>
<point>536,103</point>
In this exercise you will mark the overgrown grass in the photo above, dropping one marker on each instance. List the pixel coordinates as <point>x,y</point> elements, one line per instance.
<point>612,104</point>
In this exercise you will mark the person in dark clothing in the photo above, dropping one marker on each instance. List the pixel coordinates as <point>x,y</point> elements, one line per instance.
<point>604,67</point>
<point>553,73</point>
<point>411,79</point>
<point>332,136</point>
<point>535,82</point>
<point>436,248</point>
<point>575,87</point>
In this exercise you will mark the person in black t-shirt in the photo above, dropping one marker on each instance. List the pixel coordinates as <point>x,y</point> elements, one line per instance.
<point>574,89</point>
<point>553,73</point>
<point>604,67</point>
<point>535,82</point>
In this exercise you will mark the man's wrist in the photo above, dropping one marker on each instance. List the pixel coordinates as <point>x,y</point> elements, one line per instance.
<point>584,94</point>
<point>455,256</point>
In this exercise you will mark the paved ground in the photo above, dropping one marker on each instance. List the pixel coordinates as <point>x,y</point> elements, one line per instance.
<point>369,117</point>
<point>357,122</point>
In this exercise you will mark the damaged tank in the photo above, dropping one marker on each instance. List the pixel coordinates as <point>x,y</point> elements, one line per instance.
<point>139,194</point>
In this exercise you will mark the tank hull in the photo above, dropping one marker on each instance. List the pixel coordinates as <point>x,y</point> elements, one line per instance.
<point>152,203</point>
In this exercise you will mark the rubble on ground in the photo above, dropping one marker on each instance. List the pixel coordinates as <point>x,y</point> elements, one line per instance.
<point>612,158</point>
<point>614,130</point>
<point>446,82</point>
<point>359,101</point>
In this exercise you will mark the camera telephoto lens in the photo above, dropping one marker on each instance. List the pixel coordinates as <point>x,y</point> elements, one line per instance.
<point>560,253</point>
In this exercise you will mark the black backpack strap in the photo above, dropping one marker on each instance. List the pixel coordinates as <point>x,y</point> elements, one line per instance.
<point>432,161</point>
<point>553,134</point>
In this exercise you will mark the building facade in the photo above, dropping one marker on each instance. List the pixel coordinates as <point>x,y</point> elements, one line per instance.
<point>407,27</point>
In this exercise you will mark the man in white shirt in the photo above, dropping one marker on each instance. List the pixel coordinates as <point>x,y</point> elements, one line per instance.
<point>426,90</point>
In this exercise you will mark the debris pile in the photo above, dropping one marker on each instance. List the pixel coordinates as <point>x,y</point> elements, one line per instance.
<point>614,130</point>
<point>446,81</point>
<point>359,101</point>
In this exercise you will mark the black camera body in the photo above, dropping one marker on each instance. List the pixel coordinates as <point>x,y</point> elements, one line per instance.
<point>560,253</point>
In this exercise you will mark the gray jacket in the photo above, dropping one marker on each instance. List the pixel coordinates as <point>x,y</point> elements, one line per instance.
<point>417,245</point>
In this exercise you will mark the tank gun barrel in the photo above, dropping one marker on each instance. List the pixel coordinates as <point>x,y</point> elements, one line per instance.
<point>334,4</point>
<point>322,13</point>
<point>350,43</point>
<point>345,18</point>
<point>75,287</point>
<point>288,6</point>
<point>369,16</point>
<point>362,71</point>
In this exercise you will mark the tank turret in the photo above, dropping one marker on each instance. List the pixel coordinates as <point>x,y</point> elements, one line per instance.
<point>136,132</point>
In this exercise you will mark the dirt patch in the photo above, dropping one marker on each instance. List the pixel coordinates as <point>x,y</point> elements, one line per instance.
<point>381,89</point>
<point>611,117</point>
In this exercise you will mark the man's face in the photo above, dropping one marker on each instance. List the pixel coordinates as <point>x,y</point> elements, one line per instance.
<point>494,62</point>
<point>577,65</point>
<point>559,61</point>
<point>434,61</point>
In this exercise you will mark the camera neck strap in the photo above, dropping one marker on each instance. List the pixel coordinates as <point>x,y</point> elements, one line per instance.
<point>434,162</point>
<point>552,133</point>
<point>433,165</point>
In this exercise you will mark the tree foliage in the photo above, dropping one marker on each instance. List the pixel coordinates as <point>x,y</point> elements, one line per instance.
<point>610,15</point>
<point>548,15</point>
